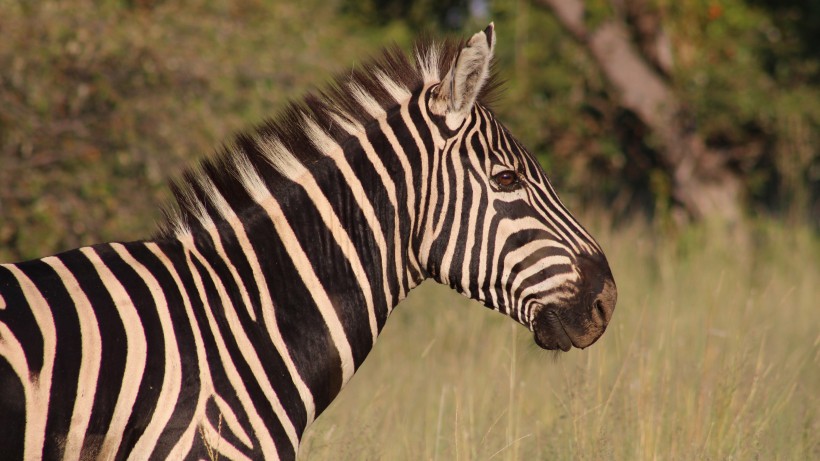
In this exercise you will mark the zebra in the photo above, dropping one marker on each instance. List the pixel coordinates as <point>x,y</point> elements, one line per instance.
<point>229,331</point>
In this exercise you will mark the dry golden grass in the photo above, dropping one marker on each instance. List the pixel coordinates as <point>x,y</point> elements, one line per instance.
<point>713,353</point>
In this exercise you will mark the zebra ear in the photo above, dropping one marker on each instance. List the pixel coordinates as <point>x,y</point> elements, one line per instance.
<point>468,73</point>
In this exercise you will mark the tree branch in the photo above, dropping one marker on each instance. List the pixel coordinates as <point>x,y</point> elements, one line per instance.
<point>702,181</point>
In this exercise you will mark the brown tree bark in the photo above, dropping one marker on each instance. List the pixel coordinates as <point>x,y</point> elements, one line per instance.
<point>702,181</point>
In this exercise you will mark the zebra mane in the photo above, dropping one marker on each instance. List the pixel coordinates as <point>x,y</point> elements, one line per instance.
<point>255,163</point>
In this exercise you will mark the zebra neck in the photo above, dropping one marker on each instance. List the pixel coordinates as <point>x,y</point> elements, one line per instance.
<point>323,260</point>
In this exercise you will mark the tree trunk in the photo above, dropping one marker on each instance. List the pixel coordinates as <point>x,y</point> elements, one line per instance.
<point>702,181</point>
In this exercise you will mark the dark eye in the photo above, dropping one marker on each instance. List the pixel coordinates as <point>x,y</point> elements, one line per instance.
<point>506,180</point>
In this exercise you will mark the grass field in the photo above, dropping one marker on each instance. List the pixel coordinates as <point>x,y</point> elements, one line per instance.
<point>713,353</point>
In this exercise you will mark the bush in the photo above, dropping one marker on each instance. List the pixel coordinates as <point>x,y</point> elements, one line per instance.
<point>100,103</point>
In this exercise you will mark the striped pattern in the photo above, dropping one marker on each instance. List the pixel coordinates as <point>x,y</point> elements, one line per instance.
<point>228,333</point>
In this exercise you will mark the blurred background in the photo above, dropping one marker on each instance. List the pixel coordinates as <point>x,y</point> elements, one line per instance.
<point>102,101</point>
<point>685,134</point>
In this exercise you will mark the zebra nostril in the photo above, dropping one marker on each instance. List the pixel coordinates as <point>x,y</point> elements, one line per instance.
<point>605,302</point>
<point>598,305</point>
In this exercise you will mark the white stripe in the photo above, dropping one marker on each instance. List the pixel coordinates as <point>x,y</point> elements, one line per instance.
<point>429,235</point>
<point>297,254</point>
<point>333,224</point>
<point>243,291</point>
<point>183,445</point>
<point>396,90</point>
<point>178,226</point>
<point>492,261</point>
<point>367,101</point>
<point>472,219</point>
<point>314,285</point>
<point>267,307</point>
<point>248,352</point>
<point>172,373</point>
<point>428,178</point>
<point>334,151</point>
<point>249,179</point>
<point>345,121</point>
<point>135,346</point>
<point>12,351</point>
<point>424,172</point>
<point>408,178</point>
<point>213,232</point>
<point>305,270</point>
<point>542,264</point>
<point>39,394</point>
<point>455,188</point>
<point>91,355</point>
<point>229,417</point>
<point>267,444</point>
<point>428,64</point>
<point>436,222</point>
<point>390,187</point>
<point>340,235</point>
<point>480,190</point>
<point>504,232</point>
<point>217,446</point>
<point>280,157</point>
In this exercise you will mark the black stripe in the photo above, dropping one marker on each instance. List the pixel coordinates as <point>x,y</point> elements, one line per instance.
<point>224,387</point>
<point>390,158</point>
<point>489,283</point>
<point>216,419</point>
<point>154,371</point>
<point>410,151</point>
<point>18,318</point>
<point>475,252</point>
<point>114,348</point>
<point>340,196</point>
<point>417,118</point>
<point>333,270</point>
<point>458,266</point>
<point>190,386</point>
<point>12,412</point>
<point>272,363</point>
<point>373,186</point>
<point>67,358</point>
<point>300,323</point>
<point>217,372</point>
<point>241,263</point>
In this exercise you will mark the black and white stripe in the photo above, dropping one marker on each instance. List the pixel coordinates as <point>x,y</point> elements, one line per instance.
<point>235,327</point>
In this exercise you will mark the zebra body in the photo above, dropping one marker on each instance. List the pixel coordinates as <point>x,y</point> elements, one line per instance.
<point>232,330</point>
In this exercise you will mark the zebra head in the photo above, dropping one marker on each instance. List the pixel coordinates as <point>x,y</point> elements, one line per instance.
<point>496,230</point>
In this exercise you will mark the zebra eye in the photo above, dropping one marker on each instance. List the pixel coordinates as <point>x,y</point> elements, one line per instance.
<point>507,180</point>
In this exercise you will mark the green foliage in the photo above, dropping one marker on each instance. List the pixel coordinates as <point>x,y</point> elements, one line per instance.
<point>749,87</point>
<point>102,102</point>
<point>429,15</point>
<point>559,104</point>
<point>752,92</point>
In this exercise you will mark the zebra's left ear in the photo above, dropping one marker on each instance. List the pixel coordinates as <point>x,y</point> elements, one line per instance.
<point>468,73</point>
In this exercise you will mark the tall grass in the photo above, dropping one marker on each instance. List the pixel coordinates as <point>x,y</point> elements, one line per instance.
<point>713,353</point>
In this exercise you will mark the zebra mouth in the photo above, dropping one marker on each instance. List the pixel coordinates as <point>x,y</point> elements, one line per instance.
<point>549,331</point>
